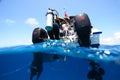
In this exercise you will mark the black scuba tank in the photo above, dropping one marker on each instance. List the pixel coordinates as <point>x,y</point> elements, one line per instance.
<point>39,35</point>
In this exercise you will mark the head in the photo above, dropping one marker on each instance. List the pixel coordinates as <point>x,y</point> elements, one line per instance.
<point>83,19</point>
<point>43,35</point>
<point>39,35</point>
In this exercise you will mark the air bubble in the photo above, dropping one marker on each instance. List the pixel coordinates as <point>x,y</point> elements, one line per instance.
<point>78,52</point>
<point>101,57</point>
<point>107,52</point>
<point>44,45</point>
<point>63,45</point>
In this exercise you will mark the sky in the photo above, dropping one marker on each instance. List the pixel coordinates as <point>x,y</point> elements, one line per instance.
<point>18,18</point>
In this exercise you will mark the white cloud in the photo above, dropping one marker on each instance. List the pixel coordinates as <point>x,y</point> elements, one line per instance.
<point>113,40</point>
<point>117,35</point>
<point>10,21</point>
<point>32,21</point>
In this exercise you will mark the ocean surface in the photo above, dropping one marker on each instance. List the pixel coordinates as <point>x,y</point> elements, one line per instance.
<point>16,60</point>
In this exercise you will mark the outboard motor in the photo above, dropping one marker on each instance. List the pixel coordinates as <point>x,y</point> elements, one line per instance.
<point>49,20</point>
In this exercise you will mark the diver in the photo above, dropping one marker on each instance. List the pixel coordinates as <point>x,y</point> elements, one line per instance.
<point>36,68</point>
<point>83,29</point>
<point>96,71</point>
<point>40,35</point>
<point>54,33</point>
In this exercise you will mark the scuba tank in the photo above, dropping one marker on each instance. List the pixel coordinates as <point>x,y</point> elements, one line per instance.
<point>49,21</point>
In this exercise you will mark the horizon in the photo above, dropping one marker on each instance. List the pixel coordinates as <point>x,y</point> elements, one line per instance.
<point>19,18</point>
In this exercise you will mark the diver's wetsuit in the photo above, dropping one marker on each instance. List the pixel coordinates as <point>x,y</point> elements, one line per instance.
<point>54,33</point>
<point>39,35</point>
<point>37,65</point>
<point>84,36</point>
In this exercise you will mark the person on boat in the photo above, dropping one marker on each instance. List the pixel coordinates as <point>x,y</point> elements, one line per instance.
<point>54,33</point>
<point>96,71</point>
<point>39,35</point>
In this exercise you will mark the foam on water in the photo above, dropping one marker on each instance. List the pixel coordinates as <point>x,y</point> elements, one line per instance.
<point>104,53</point>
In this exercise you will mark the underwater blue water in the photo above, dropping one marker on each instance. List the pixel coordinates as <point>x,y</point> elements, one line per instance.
<point>15,61</point>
